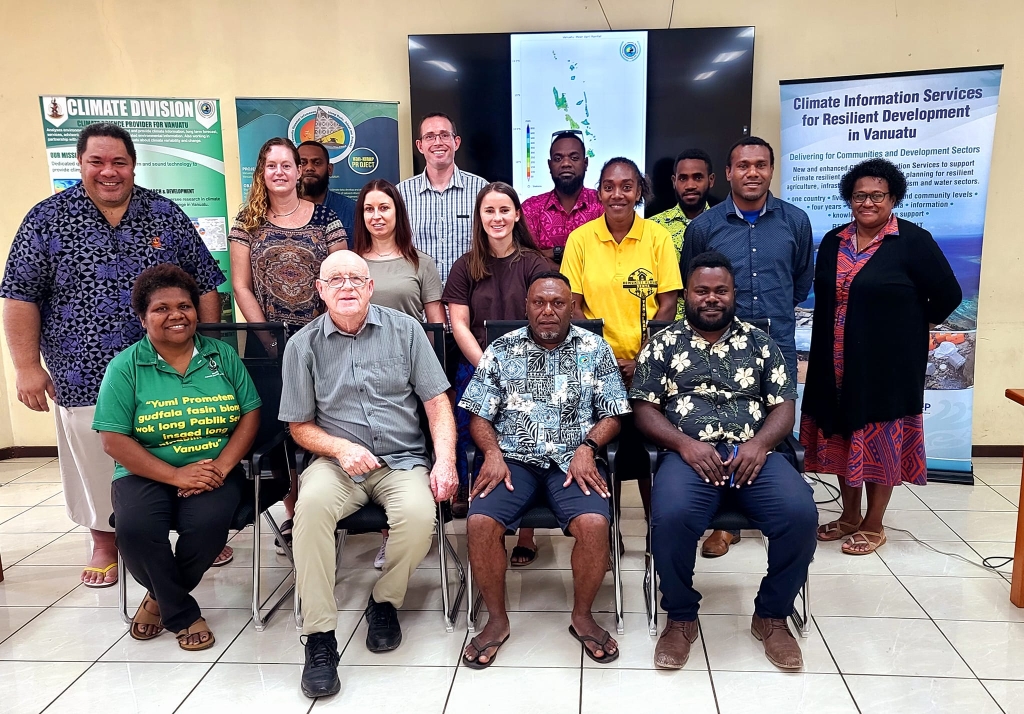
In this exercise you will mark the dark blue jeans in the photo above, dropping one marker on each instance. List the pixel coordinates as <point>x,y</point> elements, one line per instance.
<point>779,503</point>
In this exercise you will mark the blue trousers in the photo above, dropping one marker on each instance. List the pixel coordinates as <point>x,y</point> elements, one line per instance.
<point>779,503</point>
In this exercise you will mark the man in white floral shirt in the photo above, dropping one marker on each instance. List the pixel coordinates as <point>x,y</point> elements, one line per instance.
<point>543,401</point>
<point>714,394</point>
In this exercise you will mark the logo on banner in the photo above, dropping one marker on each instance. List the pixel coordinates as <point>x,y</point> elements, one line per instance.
<point>363,161</point>
<point>629,51</point>
<point>325,125</point>
<point>206,112</point>
<point>55,110</point>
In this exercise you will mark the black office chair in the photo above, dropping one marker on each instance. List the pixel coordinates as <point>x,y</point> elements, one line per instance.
<point>728,518</point>
<point>541,516</point>
<point>372,518</point>
<point>266,464</point>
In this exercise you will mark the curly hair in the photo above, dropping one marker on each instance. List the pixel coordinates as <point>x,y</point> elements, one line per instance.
<point>158,277</point>
<point>875,168</point>
<point>646,191</point>
<point>254,210</point>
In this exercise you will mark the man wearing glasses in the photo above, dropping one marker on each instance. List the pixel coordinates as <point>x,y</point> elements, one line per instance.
<point>441,199</point>
<point>552,216</point>
<point>769,243</point>
<point>351,382</point>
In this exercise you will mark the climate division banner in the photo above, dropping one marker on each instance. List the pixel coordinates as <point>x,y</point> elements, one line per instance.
<point>179,146</point>
<point>361,137</point>
<point>937,126</point>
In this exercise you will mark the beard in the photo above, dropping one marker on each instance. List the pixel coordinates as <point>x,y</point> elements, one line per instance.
<point>567,187</point>
<point>315,186</point>
<point>697,319</point>
<point>698,203</point>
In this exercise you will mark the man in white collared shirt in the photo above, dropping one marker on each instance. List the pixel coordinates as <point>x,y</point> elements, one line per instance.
<point>441,199</point>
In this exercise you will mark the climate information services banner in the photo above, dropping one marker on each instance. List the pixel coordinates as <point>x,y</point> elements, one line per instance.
<point>361,137</point>
<point>180,154</point>
<point>938,127</point>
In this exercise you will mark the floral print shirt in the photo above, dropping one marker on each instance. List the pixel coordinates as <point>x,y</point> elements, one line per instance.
<point>543,402</point>
<point>713,392</point>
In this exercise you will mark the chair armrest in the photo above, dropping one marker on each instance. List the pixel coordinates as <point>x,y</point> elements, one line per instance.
<point>262,452</point>
<point>798,451</point>
<point>652,456</point>
<point>470,462</point>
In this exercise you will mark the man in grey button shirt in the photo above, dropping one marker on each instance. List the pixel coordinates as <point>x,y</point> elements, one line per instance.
<point>351,379</point>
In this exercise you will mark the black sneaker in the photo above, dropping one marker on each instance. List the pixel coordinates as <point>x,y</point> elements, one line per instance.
<point>383,633</point>
<point>320,675</point>
<point>286,531</point>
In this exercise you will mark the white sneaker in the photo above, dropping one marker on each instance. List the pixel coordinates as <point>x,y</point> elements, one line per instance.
<point>378,561</point>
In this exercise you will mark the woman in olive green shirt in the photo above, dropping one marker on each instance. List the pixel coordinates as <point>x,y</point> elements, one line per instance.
<point>177,412</point>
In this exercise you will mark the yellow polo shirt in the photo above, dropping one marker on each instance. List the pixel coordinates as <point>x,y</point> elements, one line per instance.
<point>610,275</point>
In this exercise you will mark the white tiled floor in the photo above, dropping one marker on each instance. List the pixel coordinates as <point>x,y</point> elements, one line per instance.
<point>907,629</point>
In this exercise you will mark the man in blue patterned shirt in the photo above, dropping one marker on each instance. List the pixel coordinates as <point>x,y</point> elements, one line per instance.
<point>544,399</point>
<point>67,290</point>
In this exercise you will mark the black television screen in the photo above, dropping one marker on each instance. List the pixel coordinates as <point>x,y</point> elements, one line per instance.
<point>647,94</point>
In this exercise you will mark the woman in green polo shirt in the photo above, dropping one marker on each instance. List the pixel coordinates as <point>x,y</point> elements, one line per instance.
<point>177,412</point>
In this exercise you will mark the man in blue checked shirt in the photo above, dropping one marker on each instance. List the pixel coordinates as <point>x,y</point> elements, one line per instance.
<point>769,243</point>
<point>544,400</point>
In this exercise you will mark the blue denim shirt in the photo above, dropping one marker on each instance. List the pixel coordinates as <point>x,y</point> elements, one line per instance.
<point>773,261</point>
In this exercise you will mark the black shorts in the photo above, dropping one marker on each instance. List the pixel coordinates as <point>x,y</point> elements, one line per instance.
<point>535,485</point>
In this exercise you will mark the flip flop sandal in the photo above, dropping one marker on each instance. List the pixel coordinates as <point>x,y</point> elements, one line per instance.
<point>836,530</point>
<point>102,571</point>
<point>480,649</point>
<point>221,560</point>
<point>583,640</point>
<point>872,546</point>
<point>521,551</point>
<point>197,627</point>
<point>145,617</point>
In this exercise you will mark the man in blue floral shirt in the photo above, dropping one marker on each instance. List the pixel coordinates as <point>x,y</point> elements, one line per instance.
<point>714,394</point>
<point>544,399</point>
<point>67,290</point>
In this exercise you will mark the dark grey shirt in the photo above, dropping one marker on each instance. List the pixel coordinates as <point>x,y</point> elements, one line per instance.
<point>363,387</point>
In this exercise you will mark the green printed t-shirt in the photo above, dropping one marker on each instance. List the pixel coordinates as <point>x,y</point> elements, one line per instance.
<point>179,418</point>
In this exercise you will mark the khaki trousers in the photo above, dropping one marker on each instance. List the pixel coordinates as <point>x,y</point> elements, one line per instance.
<point>326,495</point>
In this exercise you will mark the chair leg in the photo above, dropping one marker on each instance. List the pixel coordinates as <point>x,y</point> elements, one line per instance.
<point>802,614</point>
<point>616,563</point>
<point>122,590</point>
<point>651,592</point>
<point>339,550</point>
<point>471,604</point>
<point>449,626</point>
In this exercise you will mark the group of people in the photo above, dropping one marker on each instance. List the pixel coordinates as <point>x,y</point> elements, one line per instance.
<point>107,281</point>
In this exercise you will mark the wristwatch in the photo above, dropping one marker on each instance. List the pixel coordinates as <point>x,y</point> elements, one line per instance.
<point>592,444</point>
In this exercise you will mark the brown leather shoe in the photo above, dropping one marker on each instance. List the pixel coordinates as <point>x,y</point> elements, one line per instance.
<point>780,647</point>
<point>717,544</point>
<point>673,647</point>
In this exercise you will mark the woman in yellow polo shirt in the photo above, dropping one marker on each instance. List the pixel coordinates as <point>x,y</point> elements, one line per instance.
<point>623,269</point>
<point>176,412</point>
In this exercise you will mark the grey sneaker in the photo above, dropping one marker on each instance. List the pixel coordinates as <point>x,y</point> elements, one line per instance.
<point>378,561</point>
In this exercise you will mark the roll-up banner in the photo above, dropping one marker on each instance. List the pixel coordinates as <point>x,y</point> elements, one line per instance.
<point>938,127</point>
<point>180,155</point>
<point>361,137</point>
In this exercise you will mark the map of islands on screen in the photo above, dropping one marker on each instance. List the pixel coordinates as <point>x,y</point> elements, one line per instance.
<point>594,83</point>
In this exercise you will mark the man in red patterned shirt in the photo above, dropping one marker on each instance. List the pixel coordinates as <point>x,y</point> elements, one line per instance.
<point>552,216</point>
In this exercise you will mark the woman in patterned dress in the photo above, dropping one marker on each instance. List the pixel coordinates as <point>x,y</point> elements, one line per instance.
<point>879,284</point>
<point>277,244</point>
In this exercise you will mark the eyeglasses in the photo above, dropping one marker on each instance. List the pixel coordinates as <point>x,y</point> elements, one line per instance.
<point>874,196</point>
<point>442,135</point>
<point>338,281</point>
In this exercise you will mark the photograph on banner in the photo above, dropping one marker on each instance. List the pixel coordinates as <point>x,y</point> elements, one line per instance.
<point>361,137</point>
<point>179,147</point>
<point>937,126</point>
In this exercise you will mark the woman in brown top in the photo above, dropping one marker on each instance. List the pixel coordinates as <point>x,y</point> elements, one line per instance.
<point>489,283</point>
<point>277,244</point>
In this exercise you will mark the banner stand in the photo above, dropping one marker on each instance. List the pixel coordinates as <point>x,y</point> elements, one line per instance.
<point>938,127</point>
